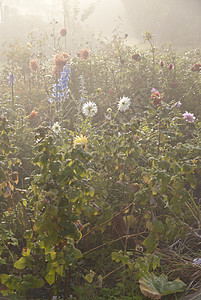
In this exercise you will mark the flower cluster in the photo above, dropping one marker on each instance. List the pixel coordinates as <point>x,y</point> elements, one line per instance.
<point>89,109</point>
<point>124,103</point>
<point>156,97</point>
<point>60,89</point>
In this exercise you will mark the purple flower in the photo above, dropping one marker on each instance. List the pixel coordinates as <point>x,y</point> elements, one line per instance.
<point>11,79</point>
<point>197,261</point>
<point>189,117</point>
<point>153,90</point>
<point>108,117</point>
<point>177,104</point>
<point>136,138</point>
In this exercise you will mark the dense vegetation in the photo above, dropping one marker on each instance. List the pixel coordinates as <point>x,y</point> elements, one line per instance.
<point>100,172</point>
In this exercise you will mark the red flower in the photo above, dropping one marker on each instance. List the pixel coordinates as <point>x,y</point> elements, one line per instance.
<point>63,32</point>
<point>136,57</point>
<point>170,66</point>
<point>111,92</point>
<point>59,63</point>
<point>173,84</point>
<point>161,63</point>
<point>33,65</point>
<point>34,114</point>
<point>157,98</point>
<point>84,54</point>
<point>196,67</point>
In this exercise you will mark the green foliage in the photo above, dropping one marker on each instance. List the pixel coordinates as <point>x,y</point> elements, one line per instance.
<point>93,203</point>
<point>156,287</point>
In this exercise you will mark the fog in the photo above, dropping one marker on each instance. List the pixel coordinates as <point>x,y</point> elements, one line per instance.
<point>175,21</point>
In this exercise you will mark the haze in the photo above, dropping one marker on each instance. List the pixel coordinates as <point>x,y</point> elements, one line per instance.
<point>176,21</point>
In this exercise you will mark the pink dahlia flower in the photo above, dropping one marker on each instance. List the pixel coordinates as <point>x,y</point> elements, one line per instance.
<point>189,117</point>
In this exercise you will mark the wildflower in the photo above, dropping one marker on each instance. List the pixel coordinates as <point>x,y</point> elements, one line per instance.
<point>197,261</point>
<point>109,110</point>
<point>177,104</point>
<point>108,116</point>
<point>196,67</point>
<point>89,109</point>
<point>170,66</point>
<point>136,57</point>
<point>173,84</point>
<point>11,79</point>
<point>157,98</point>
<point>63,32</point>
<point>56,128</point>
<point>84,54</point>
<point>82,88</point>
<point>136,138</point>
<point>99,91</point>
<point>80,141</point>
<point>60,89</point>
<point>161,63</point>
<point>189,117</point>
<point>124,103</point>
<point>33,65</point>
<point>33,114</point>
<point>110,91</point>
<point>59,62</point>
<point>153,90</point>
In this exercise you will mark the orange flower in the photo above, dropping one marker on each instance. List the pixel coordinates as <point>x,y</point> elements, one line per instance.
<point>59,63</point>
<point>33,114</point>
<point>84,54</point>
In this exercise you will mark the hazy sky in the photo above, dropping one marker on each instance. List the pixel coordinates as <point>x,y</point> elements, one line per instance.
<point>103,18</point>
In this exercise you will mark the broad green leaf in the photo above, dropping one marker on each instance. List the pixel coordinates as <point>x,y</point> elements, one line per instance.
<point>2,261</point>
<point>4,278</point>
<point>158,227</point>
<point>150,242</point>
<point>21,263</point>
<point>155,287</point>
<point>50,277</point>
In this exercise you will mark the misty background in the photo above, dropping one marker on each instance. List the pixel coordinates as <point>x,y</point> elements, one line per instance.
<point>174,21</point>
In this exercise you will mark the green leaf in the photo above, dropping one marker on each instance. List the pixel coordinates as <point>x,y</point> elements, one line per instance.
<point>155,287</point>
<point>4,278</point>
<point>77,253</point>
<point>21,263</point>
<point>150,242</point>
<point>50,277</point>
<point>158,227</point>
<point>89,277</point>
<point>37,283</point>
<point>2,261</point>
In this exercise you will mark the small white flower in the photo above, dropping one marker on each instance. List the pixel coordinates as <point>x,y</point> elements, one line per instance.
<point>89,109</point>
<point>56,128</point>
<point>197,261</point>
<point>124,103</point>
